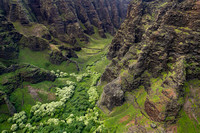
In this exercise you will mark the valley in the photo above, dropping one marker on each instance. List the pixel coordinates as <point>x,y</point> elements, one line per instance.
<point>92,62</point>
<point>99,66</point>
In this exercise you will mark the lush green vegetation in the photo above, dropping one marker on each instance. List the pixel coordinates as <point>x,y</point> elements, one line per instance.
<point>69,103</point>
<point>66,105</point>
<point>41,60</point>
<point>188,121</point>
<point>186,124</point>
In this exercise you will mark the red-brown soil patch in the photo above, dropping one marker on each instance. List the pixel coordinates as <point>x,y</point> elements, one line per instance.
<point>132,122</point>
<point>125,118</point>
<point>171,129</point>
<point>34,93</point>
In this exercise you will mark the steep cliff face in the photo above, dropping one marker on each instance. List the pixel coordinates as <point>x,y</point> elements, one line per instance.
<point>68,19</point>
<point>158,48</point>
<point>61,25</point>
<point>9,40</point>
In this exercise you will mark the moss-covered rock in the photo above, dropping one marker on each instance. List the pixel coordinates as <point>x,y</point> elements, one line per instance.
<point>23,73</point>
<point>9,39</point>
<point>34,43</point>
<point>158,48</point>
<point>112,95</point>
<point>56,57</point>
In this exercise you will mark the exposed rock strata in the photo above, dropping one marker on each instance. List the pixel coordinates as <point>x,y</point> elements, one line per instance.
<point>157,47</point>
<point>68,19</point>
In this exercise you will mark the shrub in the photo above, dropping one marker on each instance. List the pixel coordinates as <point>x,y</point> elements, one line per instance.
<point>65,93</point>
<point>93,95</point>
<point>4,131</point>
<point>21,125</point>
<point>14,127</point>
<point>53,121</point>
<point>59,74</point>
<point>70,119</point>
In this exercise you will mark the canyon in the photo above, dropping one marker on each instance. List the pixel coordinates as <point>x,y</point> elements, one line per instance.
<point>100,66</point>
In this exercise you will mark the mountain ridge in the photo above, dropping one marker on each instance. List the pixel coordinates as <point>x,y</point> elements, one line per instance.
<point>156,48</point>
<point>69,19</point>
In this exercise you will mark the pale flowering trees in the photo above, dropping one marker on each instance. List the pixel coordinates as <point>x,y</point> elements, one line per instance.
<point>46,114</point>
<point>53,121</point>
<point>92,114</point>
<point>65,93</point>
<point>59,74</point>
<point>49,109</point>
<point>18,120</point>
<point>93,95</point>
<point>41,110</point>
<point>70,119</point>
<point>79,77</point>
<point>14,127</point>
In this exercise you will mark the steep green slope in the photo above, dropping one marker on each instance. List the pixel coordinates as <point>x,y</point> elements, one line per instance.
<point>154,55</point>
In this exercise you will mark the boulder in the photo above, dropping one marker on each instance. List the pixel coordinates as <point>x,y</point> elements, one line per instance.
<point>112,95</point>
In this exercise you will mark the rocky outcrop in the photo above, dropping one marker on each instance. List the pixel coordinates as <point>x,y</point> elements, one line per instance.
<point>34,75</point>
<point>112,95</point>
<point>20,73</point>
<point>34,43</point>
<point>9,40</point>
<point>24,73</point>
<point>157,47</point>
<point>68,19</point>
<point>56,57</point>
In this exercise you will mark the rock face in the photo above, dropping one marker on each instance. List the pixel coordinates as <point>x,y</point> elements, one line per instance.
<point>34,43</point>
<point>157,47</point>
<point>9,40</point>
<point>68,19</point>
<point>42,23</point>
<point>45,23</point>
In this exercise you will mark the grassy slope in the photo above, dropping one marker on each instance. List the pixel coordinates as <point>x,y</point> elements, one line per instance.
<point>41,60</point>
<point>34,29</point>
<point>186,123</point>
<point>92,52</point>
<point>125,116</point>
